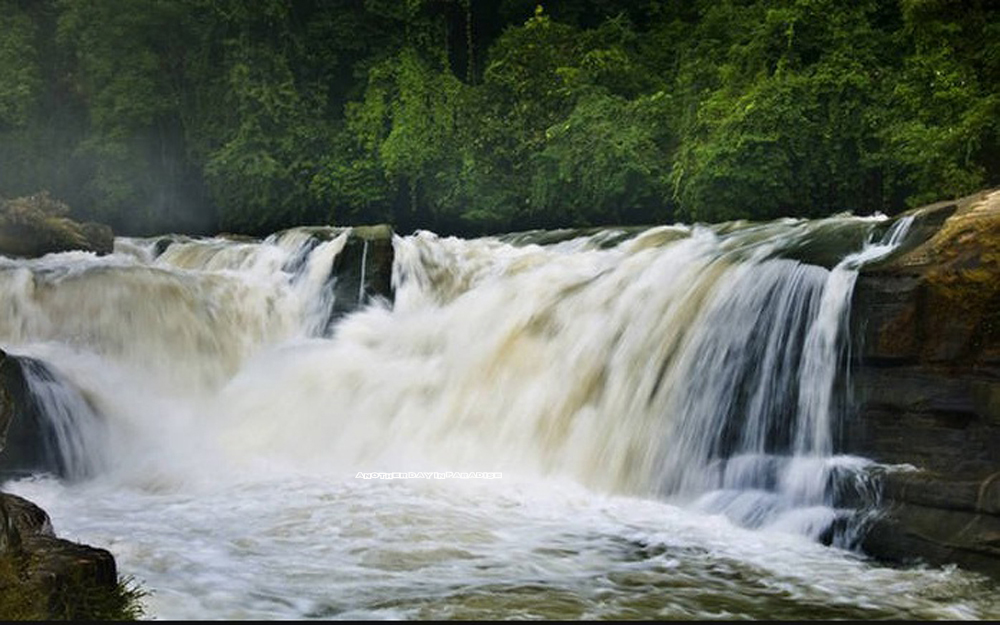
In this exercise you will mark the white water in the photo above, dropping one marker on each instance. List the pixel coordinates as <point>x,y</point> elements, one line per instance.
<point>660,411</point>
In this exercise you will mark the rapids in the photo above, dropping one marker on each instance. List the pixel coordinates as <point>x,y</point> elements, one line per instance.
<point>615,424</point>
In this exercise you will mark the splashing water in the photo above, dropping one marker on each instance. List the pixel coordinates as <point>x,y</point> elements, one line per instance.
<point>660,405</point>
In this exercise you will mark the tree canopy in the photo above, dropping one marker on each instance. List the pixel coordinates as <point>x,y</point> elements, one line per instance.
<point>480,116</point>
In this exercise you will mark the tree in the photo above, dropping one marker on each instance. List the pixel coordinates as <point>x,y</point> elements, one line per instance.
<point>20,77</point>
<point>125,69</point>
<point>940,128</point>
<point>782,126</point>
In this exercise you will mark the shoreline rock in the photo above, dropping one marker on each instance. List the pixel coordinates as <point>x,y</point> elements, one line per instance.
<point>925,328</point>
<point>49,577</point>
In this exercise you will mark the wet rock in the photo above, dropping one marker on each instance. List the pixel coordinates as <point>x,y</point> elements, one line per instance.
<point>46,576</point>
<point>28,443</point>
<point>21,519</point>
<point>939,519</point>
<point>60,579</point>
<point>827,246</point>
<point>937,301</point>
<point>362,271</point>
<point>925,328</point>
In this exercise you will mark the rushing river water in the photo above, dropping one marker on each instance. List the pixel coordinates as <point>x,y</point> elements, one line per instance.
<point>632,425</point>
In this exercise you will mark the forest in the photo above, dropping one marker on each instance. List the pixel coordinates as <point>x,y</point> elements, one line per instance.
<point>473,117</point>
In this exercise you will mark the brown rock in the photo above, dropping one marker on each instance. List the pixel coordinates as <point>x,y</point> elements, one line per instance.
<point>65,579</point>
<point>926,381</point>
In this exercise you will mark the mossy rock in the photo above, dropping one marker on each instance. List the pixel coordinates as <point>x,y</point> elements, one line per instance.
<point>377,232</point>
<point>36,225</point>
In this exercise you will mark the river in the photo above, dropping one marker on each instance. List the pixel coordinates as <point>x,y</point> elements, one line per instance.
<point>620,424</point>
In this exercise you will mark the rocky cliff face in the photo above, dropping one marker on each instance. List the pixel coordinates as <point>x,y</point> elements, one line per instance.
<point>925,329</point>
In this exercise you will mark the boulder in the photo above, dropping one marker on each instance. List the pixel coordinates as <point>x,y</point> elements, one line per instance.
<point>46,577</point>
<point>925,328</point>
<point>37,225</point>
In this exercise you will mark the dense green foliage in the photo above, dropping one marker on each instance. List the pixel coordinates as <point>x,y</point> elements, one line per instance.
<point>473,116</point>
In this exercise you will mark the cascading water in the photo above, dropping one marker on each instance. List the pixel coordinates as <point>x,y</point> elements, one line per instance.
<point>70,437</point>
<point>364,266</point>
<point>757,441</point>
<point>661,405</point>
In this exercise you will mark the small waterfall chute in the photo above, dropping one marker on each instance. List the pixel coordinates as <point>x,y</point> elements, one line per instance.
<point>55,428</point>
<point>799,484</point>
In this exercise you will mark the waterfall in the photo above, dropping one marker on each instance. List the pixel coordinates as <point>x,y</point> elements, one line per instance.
<point>57,427</point>
<point>694,364</point>
<point>364,265</point>
<point>188,316</point>
<point>783,472</point>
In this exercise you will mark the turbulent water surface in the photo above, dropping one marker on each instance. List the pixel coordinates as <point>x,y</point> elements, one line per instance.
<point>633,424</point>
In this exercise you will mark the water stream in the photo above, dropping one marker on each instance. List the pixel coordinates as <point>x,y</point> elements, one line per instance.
<point>622,424</point>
